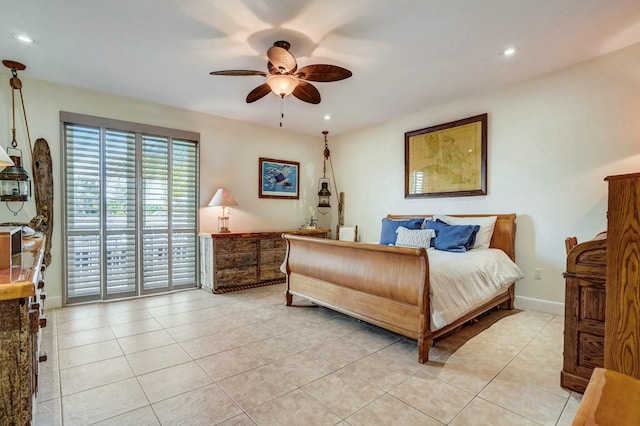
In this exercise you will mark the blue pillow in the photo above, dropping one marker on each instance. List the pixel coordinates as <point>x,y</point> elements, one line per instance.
<point>388,233</point>
<point>455,238</point>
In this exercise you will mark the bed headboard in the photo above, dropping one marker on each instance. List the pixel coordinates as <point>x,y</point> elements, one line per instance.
<point>504,233</point>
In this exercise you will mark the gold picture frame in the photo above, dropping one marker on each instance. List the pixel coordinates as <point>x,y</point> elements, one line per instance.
<point>447,160</point>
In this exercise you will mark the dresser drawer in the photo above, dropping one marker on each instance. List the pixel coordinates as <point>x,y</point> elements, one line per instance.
<point>224,261</point>
<point>272,257</point>
<point>272,243</point>
<point>235,245</point>
<point>271,273</point>
<point>236,276</point>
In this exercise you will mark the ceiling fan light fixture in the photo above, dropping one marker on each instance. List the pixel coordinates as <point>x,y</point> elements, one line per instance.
<point>282,85</point>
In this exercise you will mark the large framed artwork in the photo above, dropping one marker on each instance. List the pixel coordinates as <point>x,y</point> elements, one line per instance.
<point>447,160</point>
<point>278,179</point>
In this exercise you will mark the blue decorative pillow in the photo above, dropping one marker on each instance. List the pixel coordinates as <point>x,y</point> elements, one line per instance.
<point>455,238</point>
<point>388,233</point>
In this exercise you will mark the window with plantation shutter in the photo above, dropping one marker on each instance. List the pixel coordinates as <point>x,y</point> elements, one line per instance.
<point>131,199</point>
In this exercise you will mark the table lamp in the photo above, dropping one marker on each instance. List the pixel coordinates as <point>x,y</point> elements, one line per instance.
<point>224,198</point>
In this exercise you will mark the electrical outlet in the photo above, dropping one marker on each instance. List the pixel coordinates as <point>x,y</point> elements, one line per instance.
<point>537,274</point>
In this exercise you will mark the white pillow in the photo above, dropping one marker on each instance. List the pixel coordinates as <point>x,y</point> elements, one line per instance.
<point>487,224</point>
<point>414,237</point>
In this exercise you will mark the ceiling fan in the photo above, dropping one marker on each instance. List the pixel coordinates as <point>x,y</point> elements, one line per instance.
<point>285,78</point>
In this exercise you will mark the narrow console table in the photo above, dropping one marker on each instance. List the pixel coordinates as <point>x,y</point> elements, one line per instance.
<point>21,317</point>
<point>241,260</point>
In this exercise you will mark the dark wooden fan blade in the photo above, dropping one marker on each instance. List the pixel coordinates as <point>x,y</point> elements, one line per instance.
<point>239,73</point>
<point>282,60</point>
<point>323,73</point>
<point>306,92</point>
<point>258,93</point>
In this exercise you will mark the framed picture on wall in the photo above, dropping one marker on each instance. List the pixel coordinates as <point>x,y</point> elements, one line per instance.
<point>447,160</point>
<point>278,179</point>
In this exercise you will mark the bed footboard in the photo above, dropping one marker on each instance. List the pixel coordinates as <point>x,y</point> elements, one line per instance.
<point>384,286</point>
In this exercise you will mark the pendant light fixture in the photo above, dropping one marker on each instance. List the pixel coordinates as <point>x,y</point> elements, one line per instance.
<point>324,184</point>
<point>14,180</point>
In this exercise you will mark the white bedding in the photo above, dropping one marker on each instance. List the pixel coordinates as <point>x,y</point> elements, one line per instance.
<point>460,282</point>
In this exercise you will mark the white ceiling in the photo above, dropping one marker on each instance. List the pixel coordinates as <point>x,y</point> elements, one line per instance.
<point>405,55</point>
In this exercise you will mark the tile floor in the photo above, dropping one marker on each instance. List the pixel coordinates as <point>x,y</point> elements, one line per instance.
<point>243,358</point>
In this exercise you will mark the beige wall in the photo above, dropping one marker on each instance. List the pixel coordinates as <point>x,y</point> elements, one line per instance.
<point>552,141</point>
<point>229,152</point>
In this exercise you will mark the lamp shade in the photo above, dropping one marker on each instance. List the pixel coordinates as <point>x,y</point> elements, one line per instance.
<point>5,160</point>
<point>223,197</point>
<point>282,85</point>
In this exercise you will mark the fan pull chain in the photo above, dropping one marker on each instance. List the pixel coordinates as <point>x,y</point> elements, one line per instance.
<point>281,109</point>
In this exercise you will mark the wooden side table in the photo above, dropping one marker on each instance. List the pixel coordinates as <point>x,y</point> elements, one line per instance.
<point>241,260</point>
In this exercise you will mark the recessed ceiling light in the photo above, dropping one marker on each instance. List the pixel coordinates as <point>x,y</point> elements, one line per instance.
<point>327,117</point>
<point>24,38</point>
<point>509,51</point>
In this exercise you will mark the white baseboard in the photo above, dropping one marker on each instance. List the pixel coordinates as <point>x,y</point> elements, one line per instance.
<point>539,305</point>
<point>53,302</point>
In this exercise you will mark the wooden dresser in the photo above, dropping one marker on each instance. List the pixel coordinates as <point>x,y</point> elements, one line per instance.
<point>21,317</point>
<point>584,325</point>
<point>237,260</point>
<point>622,334</point>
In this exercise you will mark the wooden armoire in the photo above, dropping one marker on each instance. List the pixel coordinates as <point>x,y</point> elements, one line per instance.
<point>622,324</point>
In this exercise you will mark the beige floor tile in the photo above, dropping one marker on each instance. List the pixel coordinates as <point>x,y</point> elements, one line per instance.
<point>219,342</point>
<point>143,362</point>
<point>87,376</point>
<point>144,416</point>
<point>85,337</point>
<point>47,413</point>
<point>406,351</point>
<point>255,387</point>
<point>525,399</point>
<point>79,312</point>
<point>241,420</point>
<point>48,386</point>
<point>291,409</point>
<point>471,376</point>
<point>274,348</point>
<point>144,341</point>
<point>482,413</point>
<point>229,363</point>
<point>81,324</point>
<point>537,368</point>
<point>343,393</point>
<point>340,351</point>
<point>136,327</point>
<point>120,306</point>
<point>172,381</point>
<point>382,372</point>
<point>302,368</point>
<point>388,410</point>
<point>169,309</point>
<point>104,402</point>
<point>432,396</point>
<point>568,414</point>
<point>192,331</point>
<point>127,316</point>
<point>205,406</point>
<point>184,318</point>
<point>87,354</point>
<point>373,338</point>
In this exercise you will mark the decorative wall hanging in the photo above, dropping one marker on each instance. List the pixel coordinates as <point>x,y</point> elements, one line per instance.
<point>447,160</point>
<point>278,179</point>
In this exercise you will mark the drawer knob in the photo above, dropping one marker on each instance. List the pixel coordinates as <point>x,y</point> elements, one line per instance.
<point>42,356</point>
<point>43,321</point>
<point>43,295</point>
<point>40,284</point>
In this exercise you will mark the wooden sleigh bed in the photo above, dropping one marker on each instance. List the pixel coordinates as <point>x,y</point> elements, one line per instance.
<point>383,285</point>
